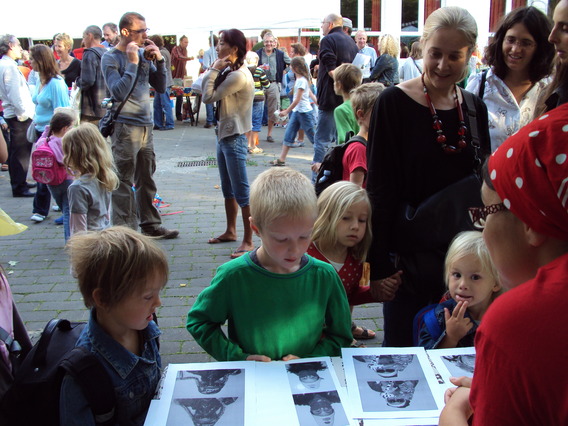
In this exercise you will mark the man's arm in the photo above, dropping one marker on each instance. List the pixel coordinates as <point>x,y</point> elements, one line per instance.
<point>13,91</point>
<point>89,66</point>
<point>118,84</point>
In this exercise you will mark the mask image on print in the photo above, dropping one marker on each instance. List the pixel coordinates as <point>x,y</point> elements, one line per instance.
<point>320,405</point>
<point>307,372</point>
<point>397,394</point>
<point>464,362</point>
<point>208,381</point>
<point>205,411</point>
<point>386,365</point>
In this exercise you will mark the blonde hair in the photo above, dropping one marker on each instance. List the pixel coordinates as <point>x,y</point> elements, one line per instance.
<point>451,17</point>
<point>389,45</point>
<point>333,202</point>
<point>87,152</point>
<point>117,261</point>
<point>349,76</point>
<point>65,39</point>
<point>364,97</point>
<point>281,192</point>
<point>464,244</point>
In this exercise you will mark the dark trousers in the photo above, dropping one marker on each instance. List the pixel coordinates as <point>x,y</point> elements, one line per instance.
<point>18,154</point>
<point>42,200</point>
<point>179,105</point>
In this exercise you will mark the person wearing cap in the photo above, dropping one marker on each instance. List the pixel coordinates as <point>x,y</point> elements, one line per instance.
<point>521,345</point>
<point>347,26</point>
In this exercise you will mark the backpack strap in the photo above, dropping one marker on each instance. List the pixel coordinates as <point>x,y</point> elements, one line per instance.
<point>95,383</point>
<point>482,84</point>
<point>357,138</point>
<point>11,344</point>
<point>432,325</point>
<point>472,115</point>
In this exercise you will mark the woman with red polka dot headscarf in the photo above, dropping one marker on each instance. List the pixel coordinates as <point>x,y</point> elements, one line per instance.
<point>520,372</point>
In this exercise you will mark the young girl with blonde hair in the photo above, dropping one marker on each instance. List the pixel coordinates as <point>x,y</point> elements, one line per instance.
<point>88,155</point>
<point>341,237</point>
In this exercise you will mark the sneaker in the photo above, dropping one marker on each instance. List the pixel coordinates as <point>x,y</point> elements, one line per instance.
<point>162,233</point>
<point>56,208</point>
<point>59,220</point>
<point>37,217</point>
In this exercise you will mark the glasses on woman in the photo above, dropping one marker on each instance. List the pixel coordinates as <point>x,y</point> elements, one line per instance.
<point>479,215</point>
<point>523,43</point>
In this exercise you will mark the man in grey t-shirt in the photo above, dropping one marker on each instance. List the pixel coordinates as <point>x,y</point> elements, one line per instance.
<point>132,140</point>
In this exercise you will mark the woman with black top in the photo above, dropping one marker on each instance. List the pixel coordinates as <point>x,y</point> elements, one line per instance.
<point>69,66</point>
<point>420,142</point>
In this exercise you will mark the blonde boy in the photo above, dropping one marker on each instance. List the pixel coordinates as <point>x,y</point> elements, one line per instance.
<point>355,158</point>
<point>276,298</point>
<point>346,77</point>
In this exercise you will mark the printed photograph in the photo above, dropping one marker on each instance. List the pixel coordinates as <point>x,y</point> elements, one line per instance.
<point>309,376</point>
<point>460,365</point>
<point>321,408</point>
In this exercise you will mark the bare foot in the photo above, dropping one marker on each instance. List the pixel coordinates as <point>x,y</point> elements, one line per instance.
<point>223,238</point>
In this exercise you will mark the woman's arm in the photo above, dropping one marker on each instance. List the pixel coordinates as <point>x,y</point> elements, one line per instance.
<point>234,82</point>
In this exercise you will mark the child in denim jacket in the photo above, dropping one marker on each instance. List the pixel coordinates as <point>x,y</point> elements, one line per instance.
<point>120,274</point>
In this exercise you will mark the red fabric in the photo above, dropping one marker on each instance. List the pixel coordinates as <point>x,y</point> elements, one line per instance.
<point>79,53</point>
<point>521,376</point>
<point>179,59</point>
<point>496,13</point>
<point>350,275</point>
<point>355,157</point>
<point>530,173</point>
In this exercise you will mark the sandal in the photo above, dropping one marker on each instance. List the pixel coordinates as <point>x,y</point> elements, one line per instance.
<point>365,334</point>
<point>256,150</point>
<point>277,163</point>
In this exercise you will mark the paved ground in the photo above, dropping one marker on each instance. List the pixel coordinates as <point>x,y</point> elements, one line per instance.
<point>38,269</point>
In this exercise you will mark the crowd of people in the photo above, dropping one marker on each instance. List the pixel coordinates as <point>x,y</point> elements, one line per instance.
<point>425,162</point>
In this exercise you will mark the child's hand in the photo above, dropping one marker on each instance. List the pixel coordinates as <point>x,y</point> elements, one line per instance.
<point>457,325</point>
<point>384,290</point>
<point>289,357</point>
<point>260,358</point>
<point>283,113</point>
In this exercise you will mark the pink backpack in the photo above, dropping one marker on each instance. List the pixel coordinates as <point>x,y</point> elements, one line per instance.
<point>45,168</point>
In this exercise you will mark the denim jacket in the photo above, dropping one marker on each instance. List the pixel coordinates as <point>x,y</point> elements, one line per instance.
<point>428,341</point>
<point>385,70</point>
<point>134,378</point>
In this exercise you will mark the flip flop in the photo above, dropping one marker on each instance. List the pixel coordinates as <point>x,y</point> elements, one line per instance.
<point>238,253</point>
<point>366,334</point>
<point>219,240</point>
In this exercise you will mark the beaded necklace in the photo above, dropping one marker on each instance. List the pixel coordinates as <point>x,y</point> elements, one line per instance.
<point>437,124</point>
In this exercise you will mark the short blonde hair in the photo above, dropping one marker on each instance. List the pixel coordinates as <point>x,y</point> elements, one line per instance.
<point>66,40</point>
<point>85,151</point>
<point>251,59</point>
<point>349,76</point>
<point>451,17</point>
<point>364,97</point>
<point>117,261</point>
<point>389,45</point>
<point>333,202</point>
<point>464,244</point>
<point>281,192</point>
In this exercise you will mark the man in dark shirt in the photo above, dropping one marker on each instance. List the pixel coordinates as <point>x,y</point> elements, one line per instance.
<point>336,48</point>
<point>132,140</point>
<point>91,82</point>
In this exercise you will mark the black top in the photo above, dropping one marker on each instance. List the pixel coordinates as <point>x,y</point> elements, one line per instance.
<point>336,48</point>
<point>71,73</point>
<point>406,165</point>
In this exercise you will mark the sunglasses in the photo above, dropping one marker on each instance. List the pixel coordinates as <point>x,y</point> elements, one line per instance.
<point>142,31</point>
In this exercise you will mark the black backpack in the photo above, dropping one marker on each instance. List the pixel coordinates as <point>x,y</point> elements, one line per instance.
<point>331,169</point>
<point>33,398</point>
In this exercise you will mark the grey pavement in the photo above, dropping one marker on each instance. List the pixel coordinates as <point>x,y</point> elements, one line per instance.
<point>38,270</point>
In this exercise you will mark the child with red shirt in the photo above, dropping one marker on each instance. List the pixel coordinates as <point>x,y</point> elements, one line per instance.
<point>341,237</point>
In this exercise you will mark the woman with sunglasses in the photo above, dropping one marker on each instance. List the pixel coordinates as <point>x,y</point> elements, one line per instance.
<point>520,59</point>
<point>521,346</point>
<point>420,144</point>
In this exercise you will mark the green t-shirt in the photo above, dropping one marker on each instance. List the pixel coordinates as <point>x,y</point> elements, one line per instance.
<point>345,121</point>
<point>272,314</point>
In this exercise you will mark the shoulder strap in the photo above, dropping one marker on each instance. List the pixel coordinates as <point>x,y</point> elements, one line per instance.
<point>472,114</point>
<point>95,383</point>
<point>432,324</point>
<point>357,138</point>
<point>482,84</point>
<point>117,112</point>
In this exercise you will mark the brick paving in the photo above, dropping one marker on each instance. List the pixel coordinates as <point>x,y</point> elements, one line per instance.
<point>38,269</point>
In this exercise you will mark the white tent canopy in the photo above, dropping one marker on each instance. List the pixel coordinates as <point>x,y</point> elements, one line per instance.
<point>40,20</point>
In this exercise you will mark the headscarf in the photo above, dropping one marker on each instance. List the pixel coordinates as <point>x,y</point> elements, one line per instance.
<point>530,173</point>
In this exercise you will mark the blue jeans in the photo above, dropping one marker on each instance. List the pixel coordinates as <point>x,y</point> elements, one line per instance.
<point>59,194</point>
<point>299,120</point>
<point>163,106</point>
<point>326,134</point>
<point>210,114</point>
<point>257,110</point>
<point>232,162</point>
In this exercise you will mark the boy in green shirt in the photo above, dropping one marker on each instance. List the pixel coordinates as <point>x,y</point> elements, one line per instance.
<point>346,77</point>
<point>276,298</point>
